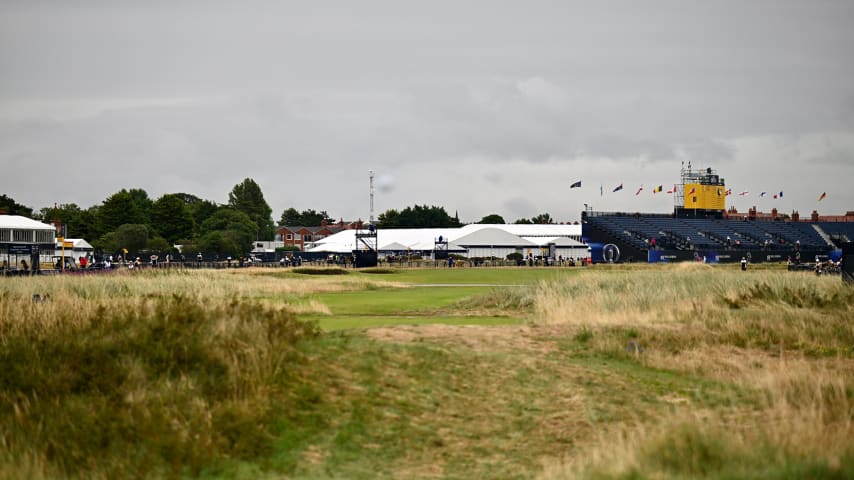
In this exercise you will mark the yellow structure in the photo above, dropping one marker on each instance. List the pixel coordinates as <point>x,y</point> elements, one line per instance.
<point>705,197</point>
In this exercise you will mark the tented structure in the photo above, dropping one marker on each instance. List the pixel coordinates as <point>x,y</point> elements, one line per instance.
<point>494,242</point>
<point>79,248</point>
<point>476,240</point>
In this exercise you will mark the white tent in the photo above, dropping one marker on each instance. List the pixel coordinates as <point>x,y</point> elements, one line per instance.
<point>80,247</point>
<point>492,242</point>
<point>476,240</point>
<point>564,247</point>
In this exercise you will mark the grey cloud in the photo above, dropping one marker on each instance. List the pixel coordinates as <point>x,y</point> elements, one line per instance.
<point>197,95</point>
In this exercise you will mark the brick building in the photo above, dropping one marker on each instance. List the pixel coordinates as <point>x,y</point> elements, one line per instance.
<point>299,236</point>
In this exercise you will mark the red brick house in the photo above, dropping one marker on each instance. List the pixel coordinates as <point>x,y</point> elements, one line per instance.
<point>298,236</point>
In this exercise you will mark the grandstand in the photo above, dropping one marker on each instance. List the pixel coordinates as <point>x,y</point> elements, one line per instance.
<point>700,229</point>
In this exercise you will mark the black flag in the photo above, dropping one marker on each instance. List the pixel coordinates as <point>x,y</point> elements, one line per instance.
<point>576,184</point>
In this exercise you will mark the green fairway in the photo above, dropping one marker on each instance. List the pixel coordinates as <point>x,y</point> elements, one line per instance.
<point>434,295</point>
<point>493,276</point>
<point>396,306</point>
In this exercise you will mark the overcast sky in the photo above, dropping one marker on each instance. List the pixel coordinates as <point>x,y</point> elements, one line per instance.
<point>478,106</point>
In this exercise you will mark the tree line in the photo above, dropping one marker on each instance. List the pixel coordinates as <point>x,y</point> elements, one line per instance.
<point>129,219</point>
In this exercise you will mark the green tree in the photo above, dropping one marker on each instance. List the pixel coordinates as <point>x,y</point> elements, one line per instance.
<point>140,198</point>
<point>290,217</point>
<point>159,245</point>
<point>234,225</point>
<point>542,218</point>
<point>224,243</point>
<point>132,236</point>
<point>389,219</point>
<point>13,207</point>
<point>307,218</point>
<point>78,223</point>
<point>201,210</point>
<point>419,216</point>
<point>494,219</point>
<point>246,197</point>
<point>122,207</point>
<point>171,218</point>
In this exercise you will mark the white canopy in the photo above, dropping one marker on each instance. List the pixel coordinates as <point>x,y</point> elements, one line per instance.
<point>19,222</point>
<point>460,239</point>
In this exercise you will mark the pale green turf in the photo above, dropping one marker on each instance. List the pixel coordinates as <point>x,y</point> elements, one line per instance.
<point>494,276</point>
<point>425,304</point>
<point>367,321</point>
<point>400,306</point>
<point>395,301</point>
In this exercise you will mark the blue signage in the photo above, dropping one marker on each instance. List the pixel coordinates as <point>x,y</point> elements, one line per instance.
<point>15,249</point>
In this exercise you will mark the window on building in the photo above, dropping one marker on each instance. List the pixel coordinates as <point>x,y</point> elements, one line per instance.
<point>290,236</point>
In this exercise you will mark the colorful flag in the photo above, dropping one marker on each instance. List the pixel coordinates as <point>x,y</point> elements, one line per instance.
<point>728,192</point>
<point>619,187</point>
<point>639,190</point>
<point>576,184</point>
<point>775,196</point>
<point>781,194</point>
<point>822,196</point>
<point>658,189</point>
<point>763,194</point>
<point>744,194</point>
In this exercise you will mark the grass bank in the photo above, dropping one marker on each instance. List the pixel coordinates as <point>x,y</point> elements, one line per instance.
<point>679,371</point>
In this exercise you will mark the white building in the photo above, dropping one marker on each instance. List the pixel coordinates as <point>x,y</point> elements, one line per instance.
<point>475,240</point>
<point>23,239</point>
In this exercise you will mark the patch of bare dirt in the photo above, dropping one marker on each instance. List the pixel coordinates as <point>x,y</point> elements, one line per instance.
<point>476,337</point>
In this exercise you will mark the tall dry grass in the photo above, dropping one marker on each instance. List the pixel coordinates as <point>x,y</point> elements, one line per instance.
<point>686,306</point>
<point>167,388</point>
<point>75,297</point>
<point>148,373</point>
<point>786,337</point>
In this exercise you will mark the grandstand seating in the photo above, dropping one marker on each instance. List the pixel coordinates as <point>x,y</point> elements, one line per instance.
<point>838,232</point>
<point>690,233</point>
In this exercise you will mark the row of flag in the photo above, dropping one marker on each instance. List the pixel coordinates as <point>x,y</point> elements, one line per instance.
<point>660,188</point>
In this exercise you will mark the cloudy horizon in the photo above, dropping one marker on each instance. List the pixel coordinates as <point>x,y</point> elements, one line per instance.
<point>479,107</point>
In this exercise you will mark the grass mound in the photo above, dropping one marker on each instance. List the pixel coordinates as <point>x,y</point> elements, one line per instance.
<point>167,389</point>
<point>320,271</point>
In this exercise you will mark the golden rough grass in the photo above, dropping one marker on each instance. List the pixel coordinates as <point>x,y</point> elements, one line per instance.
<point>784,335</point>
<point>670,294</point>
<point>73,298</point>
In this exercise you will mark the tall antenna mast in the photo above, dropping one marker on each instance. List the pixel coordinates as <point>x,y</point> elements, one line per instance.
<point>371,219</point>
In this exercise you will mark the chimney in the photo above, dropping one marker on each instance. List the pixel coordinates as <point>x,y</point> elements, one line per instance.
<point>774,213</point>
<point>814,216</point>
<point>323,223</point>
<point>796,217</point>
